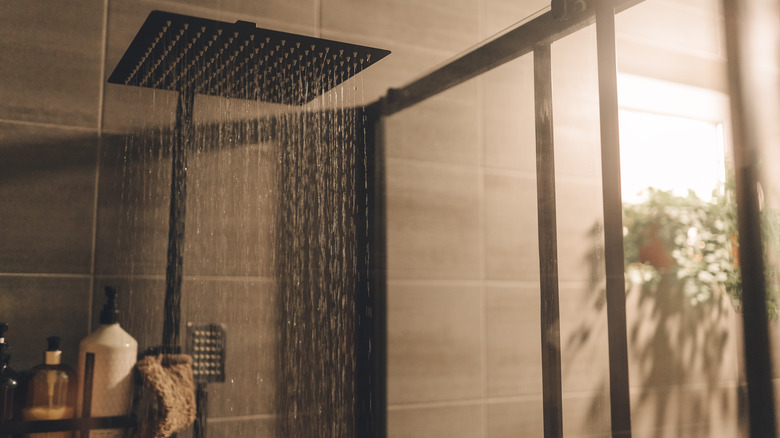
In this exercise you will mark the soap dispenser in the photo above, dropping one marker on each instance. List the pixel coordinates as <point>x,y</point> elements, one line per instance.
<point>113,354</point>
<point>51,391</point>
<point>8,378</point>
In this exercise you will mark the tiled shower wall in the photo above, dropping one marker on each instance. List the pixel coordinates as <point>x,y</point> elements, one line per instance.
<point>464,353</point>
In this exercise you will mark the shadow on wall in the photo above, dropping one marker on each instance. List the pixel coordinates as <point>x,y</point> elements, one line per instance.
<point>683,358</point>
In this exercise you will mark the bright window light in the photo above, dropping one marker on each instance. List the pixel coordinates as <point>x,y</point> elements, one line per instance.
<point>669,153</point>
<point>671,138</point>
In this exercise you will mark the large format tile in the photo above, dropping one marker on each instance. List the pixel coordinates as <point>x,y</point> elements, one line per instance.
<point>587,415</point>
<point>37,308</point>
<point>231,211</point>
<point>514,351</point>
<point>674,342</point>
<point>576,105</point>
<point>443,128</point>
<point>501,14</point>
<point>684,411</point>
<point>263,427</point>
<point>433,221</point>
<point>579,213</point>
<point>584,342</point>
<point>516,418</point>
<point>445,421</point>
<point>50,56</point>
<point>511,235</point>
<point>445,25</point>
<point>510,138</point>
<point>434,343</point>
<point>47,191</point>
<point>133,205</point>
<point>691,28</point>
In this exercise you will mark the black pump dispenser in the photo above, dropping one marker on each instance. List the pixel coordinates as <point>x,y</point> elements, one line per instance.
<point>5,353</point>
<point>53,342</point>
<point>110,313</point>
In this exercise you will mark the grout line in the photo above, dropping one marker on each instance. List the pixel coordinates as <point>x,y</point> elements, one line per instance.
<point>96,190</point>
<point>42,275</point>
<point>495,170</point>
<point>318,18</point>
<point>468,402</point>
<point>93,256</point>
<point>49,125</point>
<point>456,282</point>
<point>243,418</point>
<point>482,223</point>
<point>262,279</point>
<point>104,50</point>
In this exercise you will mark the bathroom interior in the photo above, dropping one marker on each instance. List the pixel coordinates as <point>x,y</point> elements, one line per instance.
<point>445,243</point>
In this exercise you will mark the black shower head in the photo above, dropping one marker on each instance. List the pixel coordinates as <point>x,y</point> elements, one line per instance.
<point>239,60</point>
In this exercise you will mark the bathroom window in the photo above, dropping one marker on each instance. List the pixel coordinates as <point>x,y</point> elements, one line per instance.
<point>672,138</point>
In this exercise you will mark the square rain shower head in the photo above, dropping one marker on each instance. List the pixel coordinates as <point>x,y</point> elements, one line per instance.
<point>238,60</point>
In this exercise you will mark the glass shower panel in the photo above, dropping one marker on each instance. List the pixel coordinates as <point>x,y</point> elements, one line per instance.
<point>679,221</point>
<point>580,225</point>
<point>463,289</point>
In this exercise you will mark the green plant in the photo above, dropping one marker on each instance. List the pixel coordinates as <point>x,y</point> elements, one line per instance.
<point>692,238</point>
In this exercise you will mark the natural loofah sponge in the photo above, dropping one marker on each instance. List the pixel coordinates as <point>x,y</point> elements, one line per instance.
<point>168,395</point>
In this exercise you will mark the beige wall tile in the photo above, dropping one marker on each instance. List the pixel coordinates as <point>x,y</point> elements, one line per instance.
<point>514,351</point>
<point>673,342</point>
<point>47,199</point>
<point>231,210</point>
<point>433,221</point>
<point>133,205</point>
<point>511,234</point>
<point>50,61</point>
<point>501,14</point>
<point>264,427</point>
<point>509,121</point>
<point>579,211</point>
<point>684,27</point>
<point>683,411</point>
<point>434,342</point>
<point>444,128</point>
<point>445,421</point>
<point>444,25</point>
<point>637,58</point>
<point>511,419</point>
<point>584,343</point>
<point>576,106</point>
<point>36,308</point>
<point>587,415</point>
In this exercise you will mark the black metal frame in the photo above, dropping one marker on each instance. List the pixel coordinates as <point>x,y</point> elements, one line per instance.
<point>535,36</point>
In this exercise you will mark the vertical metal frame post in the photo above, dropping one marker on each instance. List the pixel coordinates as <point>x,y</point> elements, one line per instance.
<point>376,223</point>
<point>548,245</point>
<point>182,141</point>
<point>620,403</point>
